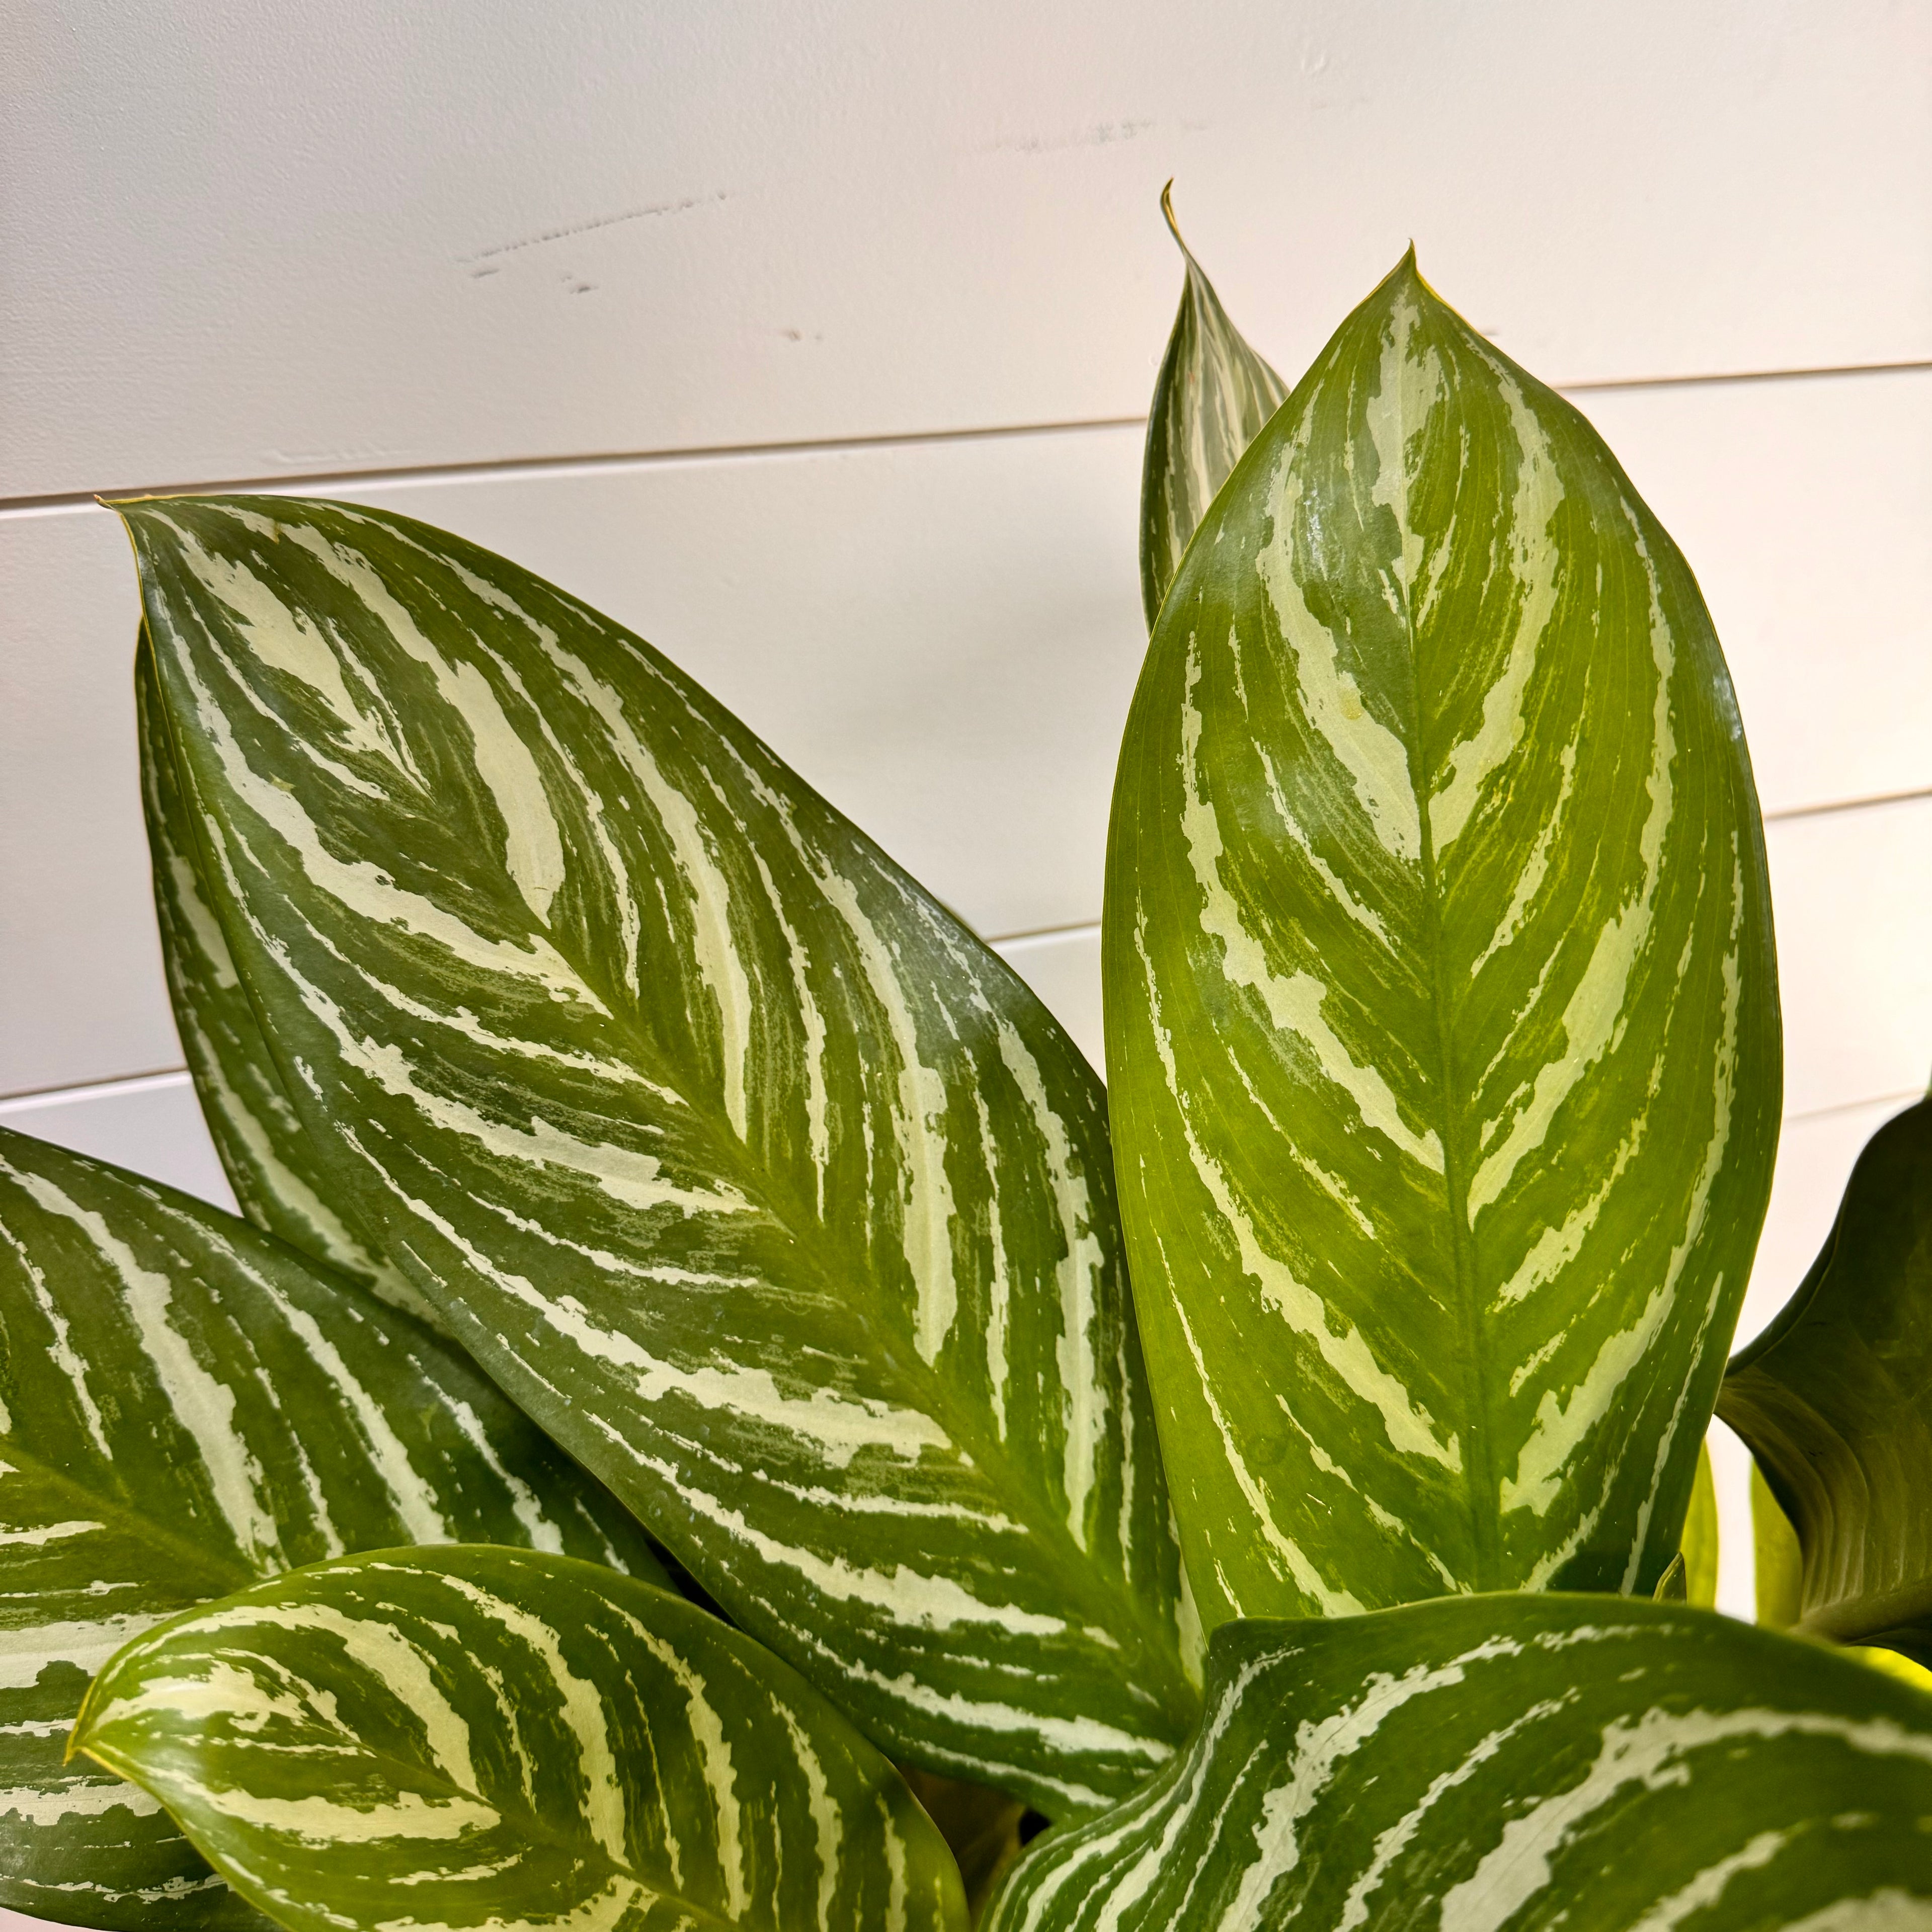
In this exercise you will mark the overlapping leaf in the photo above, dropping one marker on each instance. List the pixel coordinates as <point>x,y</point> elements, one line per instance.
<point>1441,1018</point>
<point>743,1167</point>
<point>186,1405</point>
<point>1210,399</point>
<point>479,1738</point>
<point>1835,1399</point>
<point>256,1130</point>
<point>1532,1761</point>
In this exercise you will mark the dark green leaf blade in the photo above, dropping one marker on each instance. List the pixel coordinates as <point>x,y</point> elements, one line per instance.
<point>1531,1762</point>
<point>1834,1399</point>
<point>1210,399</point>
<point>1442,1011</point>
<point>745,1168</point>
<point>256,1130</point>
<point>477,1737</point>
<point>185,1405</point>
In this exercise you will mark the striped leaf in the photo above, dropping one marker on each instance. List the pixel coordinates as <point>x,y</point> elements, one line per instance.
<point>1441,1014</point>
<point>484,1737</point>
<point>743,1167</point>
<point>187,1405</point>
<point>1700,1540</point>
<point>1210,399</point>
<point>1531,1761</point>
<point>257,1132</point>
<point>1835,1399</point>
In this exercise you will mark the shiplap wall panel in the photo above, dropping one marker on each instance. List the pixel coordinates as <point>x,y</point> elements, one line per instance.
<point>242,240</point>
<point>944,636</point>
<point>1805,507</point>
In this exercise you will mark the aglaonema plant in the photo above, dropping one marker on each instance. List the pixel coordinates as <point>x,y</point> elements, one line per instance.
<point>634,1160</point>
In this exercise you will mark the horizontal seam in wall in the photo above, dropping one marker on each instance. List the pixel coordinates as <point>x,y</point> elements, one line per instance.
<point>52,1096</point>
<point>482,468</point>
<point>1825,811</point>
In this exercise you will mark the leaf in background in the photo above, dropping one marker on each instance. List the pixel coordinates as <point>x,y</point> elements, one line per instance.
<point>1210,399</point>
<point>256,1131</point>
<point>981,1828</point>
<point>1777,1564</point>
<point>1699,1542</point>
<point>1532,1762</point>
<point>746,1169</point>
<point>478,1737</point>
<point>1834,1399</point>
<point>186,1405</point>
<point>1441,1013</point>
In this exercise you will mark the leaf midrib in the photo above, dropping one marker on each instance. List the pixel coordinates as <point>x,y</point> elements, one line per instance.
<point>405,1774</point>
<point>1480,1479</point>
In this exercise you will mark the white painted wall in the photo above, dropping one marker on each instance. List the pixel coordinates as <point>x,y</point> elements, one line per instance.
<point>810,341</point>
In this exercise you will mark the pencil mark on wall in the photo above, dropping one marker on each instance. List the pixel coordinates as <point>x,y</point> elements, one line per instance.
<point>602,221</point>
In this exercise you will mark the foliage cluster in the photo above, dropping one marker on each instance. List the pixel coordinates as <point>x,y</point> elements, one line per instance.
<point>671,1441</point>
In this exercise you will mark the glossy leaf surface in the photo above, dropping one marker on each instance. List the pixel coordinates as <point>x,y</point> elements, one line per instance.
<point>1835,1399</point>
<point>187,1405</point>
<point>1210,399</point>
<point>484,1737</point>
<point>256,1131</point>
<point>749,1172</point>
<point>1441,1014</point>
<point>1532,1762</point>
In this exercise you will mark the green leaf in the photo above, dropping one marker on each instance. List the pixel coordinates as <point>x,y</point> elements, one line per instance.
<point>256,1129</point>
<point>1532,1762</point>
<point>981,1828</point>
<point>186,1405</point>
<point>739,1163</point>
<point>1442,1011</point>
<point>1700,1539</point>
<point>1210,399</point>
<point>1835,1400</point>
<point>479,1738</point>
<point>1777,1564</point>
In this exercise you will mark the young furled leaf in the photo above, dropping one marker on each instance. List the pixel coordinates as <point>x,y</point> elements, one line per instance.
<point>1210,399</point>
<point>475,1738</point>
<point>1442,1011</point>
<point>742,1165</point>
<point>187,1405</point>
<point>256,1130</point>
<point>1533,1761</point>
<point>1835,1399</point>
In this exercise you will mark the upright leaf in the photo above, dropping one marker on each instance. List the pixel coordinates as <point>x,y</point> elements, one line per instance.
<point>187,1405</point>
<point>1210,399</point>
<point>256,1131</point>
<point>1441,1014</point>
<point>1835,1399</point>
<point>1532,1762</point>
<point>477,1738</point>
<point>746,1169</point>
<point>1700,1540</point>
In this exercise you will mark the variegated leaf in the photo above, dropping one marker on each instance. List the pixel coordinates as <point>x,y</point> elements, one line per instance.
<point>256,1130</point>
<point>186,1405</point>
<point>1532,1762</point>
<point>1210,399</point>
<point>1835,1399</point>
<point>746,1169</point>
<point>476,1738</point>
<point>1441,1013</point>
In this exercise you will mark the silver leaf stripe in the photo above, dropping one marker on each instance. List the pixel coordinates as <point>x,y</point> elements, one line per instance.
<point>1442,1008</point>
<point>745,1168</point>
<point>488,1738</point>
<point>1532,1762</point>
<point>1210,399</point>
<point>187,1405</point>
<point>256,1130</point>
